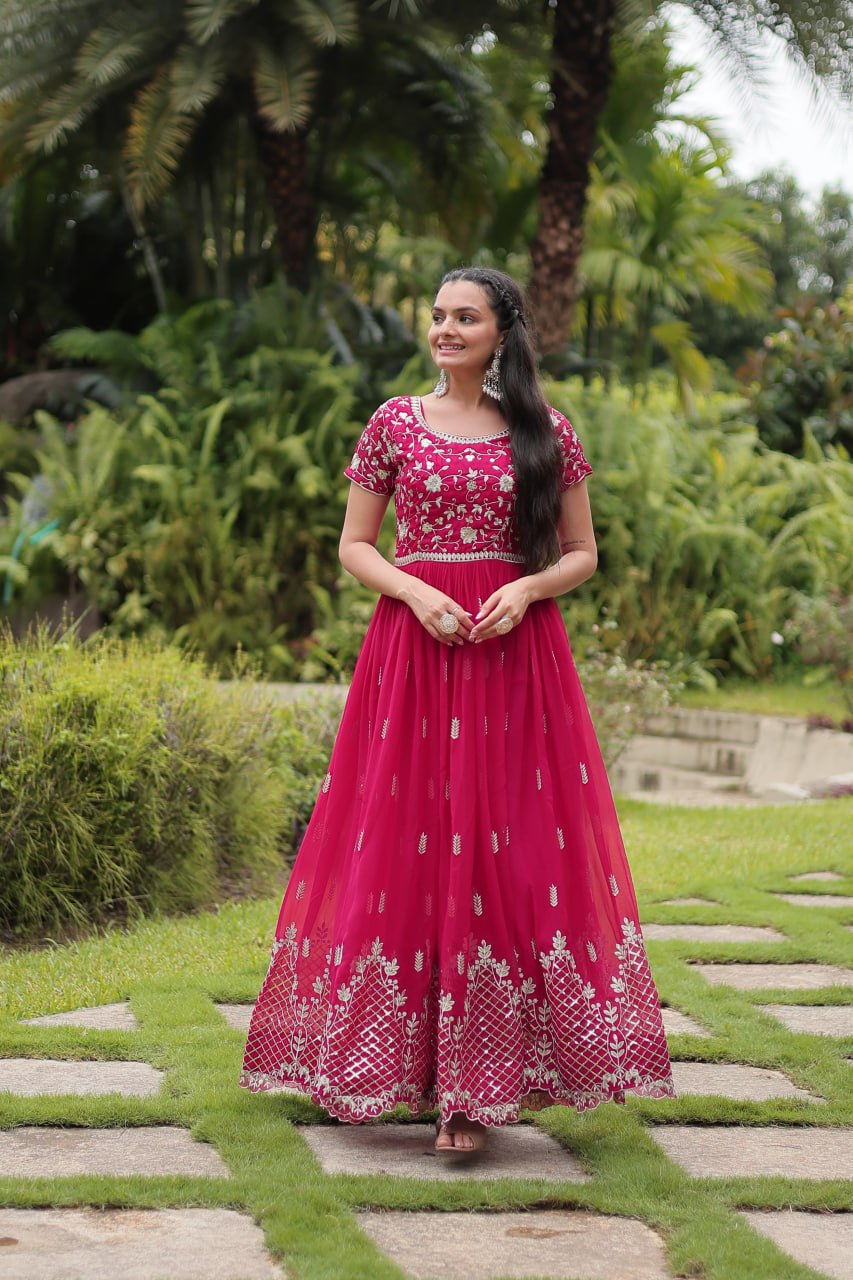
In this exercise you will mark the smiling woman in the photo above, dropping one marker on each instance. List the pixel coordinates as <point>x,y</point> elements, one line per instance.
<point>460,930</point>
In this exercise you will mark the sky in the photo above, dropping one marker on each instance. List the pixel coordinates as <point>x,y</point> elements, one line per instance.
<point>778,128</point>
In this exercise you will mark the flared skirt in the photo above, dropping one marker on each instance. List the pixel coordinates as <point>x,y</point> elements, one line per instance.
<point>460,928</point>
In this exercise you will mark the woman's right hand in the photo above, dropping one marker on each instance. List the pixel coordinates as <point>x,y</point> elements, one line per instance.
<point>428,605</point>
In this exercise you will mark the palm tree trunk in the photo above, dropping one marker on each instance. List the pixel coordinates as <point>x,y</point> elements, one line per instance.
<point>581,75</point>
<point>284,157</point>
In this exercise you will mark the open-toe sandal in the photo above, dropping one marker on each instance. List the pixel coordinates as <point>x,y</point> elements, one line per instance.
<point>478,1140</point>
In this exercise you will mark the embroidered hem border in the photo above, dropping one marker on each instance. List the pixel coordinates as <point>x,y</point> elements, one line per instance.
<point>360,1110</point>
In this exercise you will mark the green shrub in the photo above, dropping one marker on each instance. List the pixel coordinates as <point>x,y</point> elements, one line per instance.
<point>208,508</point>
<point>800,382</point>
<point>706,537</point>
<point>130,783</point>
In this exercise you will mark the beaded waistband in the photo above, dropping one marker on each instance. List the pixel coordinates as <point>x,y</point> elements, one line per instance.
<point>458,557</point>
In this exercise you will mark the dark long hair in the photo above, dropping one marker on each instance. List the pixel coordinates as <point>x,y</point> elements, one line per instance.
<point>535,452</point>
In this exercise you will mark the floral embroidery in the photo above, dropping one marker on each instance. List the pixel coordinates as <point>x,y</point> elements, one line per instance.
<point>499,1040</point>
<point>446,495</point>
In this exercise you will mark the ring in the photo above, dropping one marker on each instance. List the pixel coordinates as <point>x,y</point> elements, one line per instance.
<point>503,625</point>
<point>448,624</point>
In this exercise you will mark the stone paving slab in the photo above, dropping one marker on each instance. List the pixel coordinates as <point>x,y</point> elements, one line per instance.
<point>746,1152</point>
<point>560,1244</point>
<point>30,1077</point>
<point>813,1019</point>
<point>816,899</point>
<point>237,1016</point>
<point>676,1023</point>
<point>822,1241</point>
<point>100,1017</point>
<point>712,933</point>
<point>736,1081</point>
<point>136,1244</point>
<point>406,1151</point>
<point>817,875</point>
<point>46,1151</point>
<point>783,977</point>
<point>690,902</point>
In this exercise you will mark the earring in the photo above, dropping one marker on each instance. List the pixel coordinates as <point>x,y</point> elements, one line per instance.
<point>440,388</point>
<point>492,380</point>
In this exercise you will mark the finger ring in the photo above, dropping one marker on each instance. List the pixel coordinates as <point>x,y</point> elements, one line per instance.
<point>503,625</point>
<point>448,624</point>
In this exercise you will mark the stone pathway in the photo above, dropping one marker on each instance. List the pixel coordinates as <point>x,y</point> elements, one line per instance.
<point>406,1151</point>
<point>813,1019</point>
<point>769,1151</point>
<point>779,977</point>
<point>222,1244</point>
<point>135,1244</point>
<point>46,1152</point>
<point>816,899</point>
<point>557,1243</point>
<point>823,1242</point>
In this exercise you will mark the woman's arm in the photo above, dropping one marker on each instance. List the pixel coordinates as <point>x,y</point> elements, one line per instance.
<point>579,556</point>
<point>577,563</point>
<point>359,556</point>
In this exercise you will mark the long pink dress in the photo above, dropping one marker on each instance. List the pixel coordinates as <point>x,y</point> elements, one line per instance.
<point>460,928</point>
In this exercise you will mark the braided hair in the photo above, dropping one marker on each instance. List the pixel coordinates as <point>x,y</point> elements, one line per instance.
<point>536,454</point>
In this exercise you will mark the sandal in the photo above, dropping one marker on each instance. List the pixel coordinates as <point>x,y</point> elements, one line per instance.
<point>477,1136</point>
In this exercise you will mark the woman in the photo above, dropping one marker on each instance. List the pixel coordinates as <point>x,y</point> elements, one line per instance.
<point>460,929</point>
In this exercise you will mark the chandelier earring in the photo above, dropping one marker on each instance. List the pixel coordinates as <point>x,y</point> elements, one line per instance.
<point>440,388</point>
<point>492,380</point>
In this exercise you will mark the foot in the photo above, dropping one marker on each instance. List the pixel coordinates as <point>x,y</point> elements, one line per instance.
<point>460,1134</point>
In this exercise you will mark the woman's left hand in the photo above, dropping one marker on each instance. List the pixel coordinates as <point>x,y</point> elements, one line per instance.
<point>509,601</point>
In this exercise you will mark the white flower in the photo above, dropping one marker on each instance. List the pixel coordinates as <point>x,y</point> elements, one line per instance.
<point>506,483</point>
<point>433,482</point>
<point>776,637</point>
<point>468,534</point>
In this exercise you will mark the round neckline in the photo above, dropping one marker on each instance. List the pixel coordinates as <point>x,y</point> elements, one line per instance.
<point>417,406</point>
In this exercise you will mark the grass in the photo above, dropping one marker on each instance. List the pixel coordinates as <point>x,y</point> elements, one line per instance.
<point>784,697</point>
<point>173,970</point>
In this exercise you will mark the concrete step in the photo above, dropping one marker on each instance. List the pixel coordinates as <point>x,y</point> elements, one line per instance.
<point>628,777</point>
<point>726,758</point>
<point>715,726</point>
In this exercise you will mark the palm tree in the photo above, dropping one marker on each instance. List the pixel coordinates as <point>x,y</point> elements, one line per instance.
<point>662,233</point>
<point>818,39</point>
<point>157,74</point>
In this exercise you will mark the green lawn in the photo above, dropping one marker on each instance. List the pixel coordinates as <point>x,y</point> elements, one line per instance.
<point>770,698</point>
<point>173,970</point>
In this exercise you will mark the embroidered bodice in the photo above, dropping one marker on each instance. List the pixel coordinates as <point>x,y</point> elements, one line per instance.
<point>454,495</point>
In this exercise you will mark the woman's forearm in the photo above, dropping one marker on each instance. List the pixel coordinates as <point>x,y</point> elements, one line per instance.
<point>573,568</point>
<point>364,562</point>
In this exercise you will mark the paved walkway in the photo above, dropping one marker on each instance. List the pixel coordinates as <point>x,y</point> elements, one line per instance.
<point>187,1243</point>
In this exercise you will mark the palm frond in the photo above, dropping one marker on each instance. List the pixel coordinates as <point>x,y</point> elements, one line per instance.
<point>112,49</point>
<point>207,17</point>
<point>156,138</point>
<point>325,22</point>
<point>61,113</point>
<point>198,74</point>
<point>284,83</point>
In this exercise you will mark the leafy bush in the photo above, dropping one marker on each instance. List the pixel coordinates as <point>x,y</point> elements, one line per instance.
<point>130,783</point>
<point>706,536</point>
<point>822,632</point>
<point>208,509</point>
<point>800,382</point>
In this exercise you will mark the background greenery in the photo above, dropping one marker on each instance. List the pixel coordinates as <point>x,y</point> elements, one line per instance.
<point>218,259</point>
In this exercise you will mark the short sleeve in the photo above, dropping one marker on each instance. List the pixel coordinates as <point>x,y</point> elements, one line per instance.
<point>372,466</point>
<point>575,465</point>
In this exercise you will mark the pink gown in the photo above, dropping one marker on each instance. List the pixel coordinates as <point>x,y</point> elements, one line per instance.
<point>460,929</point>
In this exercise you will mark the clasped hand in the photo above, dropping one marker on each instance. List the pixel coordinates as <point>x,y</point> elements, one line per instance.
<point>509,601</point>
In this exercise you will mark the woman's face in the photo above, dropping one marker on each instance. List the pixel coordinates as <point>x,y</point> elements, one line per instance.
<point>464,332</point>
